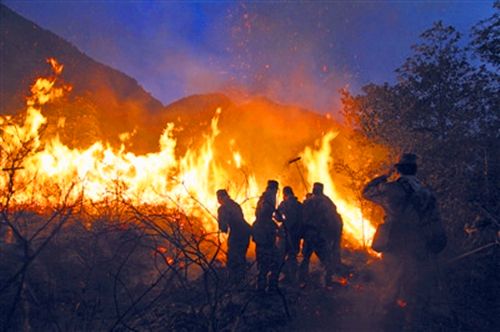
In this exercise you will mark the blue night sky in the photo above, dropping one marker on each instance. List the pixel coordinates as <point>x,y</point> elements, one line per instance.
<point>296,53</point>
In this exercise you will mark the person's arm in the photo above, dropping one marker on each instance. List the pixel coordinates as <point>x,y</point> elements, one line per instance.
<point>222,219</point>
<point>278,214</point>
<point>375,189</point>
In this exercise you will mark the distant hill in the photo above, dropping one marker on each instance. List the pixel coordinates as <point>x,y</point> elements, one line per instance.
<point>266,133</point>
<point>101,95</point>
<point>105,102</point>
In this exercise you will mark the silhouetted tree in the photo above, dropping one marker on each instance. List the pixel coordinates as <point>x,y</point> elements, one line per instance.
<point>444,106</point>
<point>486,36</point>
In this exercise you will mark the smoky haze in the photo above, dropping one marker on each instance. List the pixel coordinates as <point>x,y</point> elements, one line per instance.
<point>294,53</point>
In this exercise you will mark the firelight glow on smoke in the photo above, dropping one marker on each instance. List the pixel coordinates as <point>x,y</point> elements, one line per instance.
<point>50,170</point>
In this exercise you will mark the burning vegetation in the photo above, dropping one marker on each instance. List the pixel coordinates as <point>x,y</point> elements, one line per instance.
<point>107,236</point>
<point>50,170</point>
<point>151,216</point>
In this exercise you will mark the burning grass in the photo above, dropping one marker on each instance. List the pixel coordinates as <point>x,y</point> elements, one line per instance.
<point>101,238</point>
<point>42,171</point>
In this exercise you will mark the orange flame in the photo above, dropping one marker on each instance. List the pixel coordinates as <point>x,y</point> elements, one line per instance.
<point>56,66</point>
<point>98,172</point>
<point>357,229</point>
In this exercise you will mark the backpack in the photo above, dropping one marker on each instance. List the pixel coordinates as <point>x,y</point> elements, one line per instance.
<point>429,222</point>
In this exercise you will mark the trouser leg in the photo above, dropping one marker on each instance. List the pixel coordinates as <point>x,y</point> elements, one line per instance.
<point>274,267</point>
<point>267,262</point>
<point>304,266</point>
<point>262,267</point>
<point>237,260</point>
<point>336,250</point>
<point>323,250</point>
<point>292,252</point>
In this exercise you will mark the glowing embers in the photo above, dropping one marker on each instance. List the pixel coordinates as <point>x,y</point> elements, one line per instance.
<point>401,303</point>
<point>45,171</point>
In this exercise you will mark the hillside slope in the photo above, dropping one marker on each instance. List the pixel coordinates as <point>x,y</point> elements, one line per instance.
<point>101,95</point>
<point>105,103</point>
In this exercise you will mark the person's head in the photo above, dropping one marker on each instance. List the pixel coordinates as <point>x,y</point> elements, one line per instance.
<point>287,192</point>
<point>222,195</point>
<point>407,164</point>
<point>272,185</point>
<point>317,188</point>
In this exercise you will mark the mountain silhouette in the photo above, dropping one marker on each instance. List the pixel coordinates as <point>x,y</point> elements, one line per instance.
<point>105,102</point>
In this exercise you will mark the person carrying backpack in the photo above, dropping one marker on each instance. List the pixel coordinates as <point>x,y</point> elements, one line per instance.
<point>322,231</point>
<point>413,236</point>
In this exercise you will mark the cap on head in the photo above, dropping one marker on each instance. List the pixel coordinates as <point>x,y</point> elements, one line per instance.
<point>407,164</point>
<point>287,191</point>
<point>407,159</point>
<point>272,184</point>
<point>317,188</point>
<point>221,193</point>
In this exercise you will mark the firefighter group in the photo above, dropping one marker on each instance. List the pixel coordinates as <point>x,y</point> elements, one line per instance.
<point>278,231</point>
<point>409,239</point>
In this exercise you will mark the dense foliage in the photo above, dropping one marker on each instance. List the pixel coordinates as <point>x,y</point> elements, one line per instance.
<point>445,106</point>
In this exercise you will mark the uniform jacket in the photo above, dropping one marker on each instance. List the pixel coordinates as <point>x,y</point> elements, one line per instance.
<point>405,201</point>
<point>230,216</point>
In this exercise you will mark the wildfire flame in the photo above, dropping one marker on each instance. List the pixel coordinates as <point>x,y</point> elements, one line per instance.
<point>318,164</point>
<point>98,172</point>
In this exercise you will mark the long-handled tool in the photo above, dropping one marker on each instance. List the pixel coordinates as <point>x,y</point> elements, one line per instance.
<point>294,161</point>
